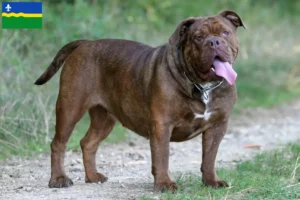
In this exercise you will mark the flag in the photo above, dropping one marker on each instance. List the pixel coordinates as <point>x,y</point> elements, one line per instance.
<point>21,15</point>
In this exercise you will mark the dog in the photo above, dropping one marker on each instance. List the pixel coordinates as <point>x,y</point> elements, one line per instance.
<point>172,92</point>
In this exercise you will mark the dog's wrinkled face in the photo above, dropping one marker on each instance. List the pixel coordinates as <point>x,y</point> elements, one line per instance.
<point>209,46</point>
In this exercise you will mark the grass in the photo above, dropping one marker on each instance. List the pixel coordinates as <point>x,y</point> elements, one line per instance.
<point>270,175</point>
<point>268,64</point>
<point>31,130</point>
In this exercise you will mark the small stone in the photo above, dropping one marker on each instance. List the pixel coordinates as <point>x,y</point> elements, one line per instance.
<point>76,169</point>
<point>132,144</point>
<point>237,160</point>
<point>31,178</point>
<point>28,189</point>
<point>19,188</point>
<point>73,162</point>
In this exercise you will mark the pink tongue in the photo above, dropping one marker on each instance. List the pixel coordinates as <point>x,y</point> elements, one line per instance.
<point>225,70</point>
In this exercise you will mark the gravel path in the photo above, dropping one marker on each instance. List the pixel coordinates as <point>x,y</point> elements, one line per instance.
<point>128,165</point>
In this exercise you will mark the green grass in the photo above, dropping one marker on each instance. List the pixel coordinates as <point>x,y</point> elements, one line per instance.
<point>270,175</point>
<point>267,65</point>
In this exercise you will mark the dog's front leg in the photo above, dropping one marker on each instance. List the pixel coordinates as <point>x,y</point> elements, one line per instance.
<point>159,142</point>
<point>210,143</point>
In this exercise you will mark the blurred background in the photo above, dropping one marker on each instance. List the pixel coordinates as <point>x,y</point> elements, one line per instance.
<point>268,65</point>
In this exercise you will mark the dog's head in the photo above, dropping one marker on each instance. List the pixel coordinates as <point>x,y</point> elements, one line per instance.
<point>208,46</point>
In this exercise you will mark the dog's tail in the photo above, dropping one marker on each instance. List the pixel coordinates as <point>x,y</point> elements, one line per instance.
<point>58,61</point>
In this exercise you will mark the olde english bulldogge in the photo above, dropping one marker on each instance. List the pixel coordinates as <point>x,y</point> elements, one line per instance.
<point>173,92</point>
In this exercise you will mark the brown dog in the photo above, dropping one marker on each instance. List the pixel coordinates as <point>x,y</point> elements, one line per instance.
<point>173,92</point>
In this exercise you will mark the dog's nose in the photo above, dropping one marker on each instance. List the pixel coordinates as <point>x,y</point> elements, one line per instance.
<point>214,42</point>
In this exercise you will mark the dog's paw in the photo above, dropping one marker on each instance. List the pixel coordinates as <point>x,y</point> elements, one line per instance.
<point>166,186</point>
<point>96,178</point>
<point>60,182</point>
<point>215,183</point>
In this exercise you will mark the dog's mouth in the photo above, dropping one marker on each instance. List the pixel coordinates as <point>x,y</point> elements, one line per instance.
<point>221,68</point>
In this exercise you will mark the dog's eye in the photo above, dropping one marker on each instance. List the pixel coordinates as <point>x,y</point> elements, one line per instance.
<point>199,38</point>
<point>225,33</point>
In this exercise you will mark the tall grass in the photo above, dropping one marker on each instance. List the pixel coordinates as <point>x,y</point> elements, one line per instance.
<point>267,66</point>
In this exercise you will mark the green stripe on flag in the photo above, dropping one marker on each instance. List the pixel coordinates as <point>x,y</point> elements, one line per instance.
<point>21,22</point>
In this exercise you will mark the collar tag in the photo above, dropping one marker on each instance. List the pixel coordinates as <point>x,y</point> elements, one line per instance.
<point>203,90</point>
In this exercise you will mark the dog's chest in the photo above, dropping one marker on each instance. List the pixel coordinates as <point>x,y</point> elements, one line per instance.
<point>199,116</point>
<point>199,113</point>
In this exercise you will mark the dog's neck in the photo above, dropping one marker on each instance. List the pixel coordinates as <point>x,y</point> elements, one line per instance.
<point>183,77</point>
<point>206,88</point>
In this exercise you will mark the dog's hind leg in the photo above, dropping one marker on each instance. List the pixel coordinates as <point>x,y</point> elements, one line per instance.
<point>68,112</point>
<point>101,125</point>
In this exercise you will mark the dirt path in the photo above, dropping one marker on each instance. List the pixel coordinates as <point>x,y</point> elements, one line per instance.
<point>128,165</point>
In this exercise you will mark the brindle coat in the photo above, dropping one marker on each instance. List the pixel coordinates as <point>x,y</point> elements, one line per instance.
<point>149,91</point>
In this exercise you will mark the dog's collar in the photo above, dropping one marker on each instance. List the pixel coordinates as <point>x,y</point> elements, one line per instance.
<point>202,89</point>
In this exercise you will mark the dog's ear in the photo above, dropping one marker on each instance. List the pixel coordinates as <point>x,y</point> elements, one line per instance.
<point>233,17</point>
<point>180,32</point>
